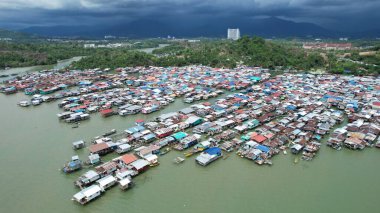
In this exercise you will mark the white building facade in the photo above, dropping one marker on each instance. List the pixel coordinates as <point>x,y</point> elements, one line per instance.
<point>233,34</point>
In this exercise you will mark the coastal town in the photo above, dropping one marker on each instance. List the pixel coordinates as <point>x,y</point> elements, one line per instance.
<point>189,106</point>
<point>246,111</point>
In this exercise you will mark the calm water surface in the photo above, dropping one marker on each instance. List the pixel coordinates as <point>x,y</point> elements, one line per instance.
<point>23,70</point>
<point>34,145</point>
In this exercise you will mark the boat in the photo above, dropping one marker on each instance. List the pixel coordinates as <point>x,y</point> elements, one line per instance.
<point>30,91</point>
<point>226,157</point>
<point>296,160</point>
<point>36,102</point>
<point>188,154</point>
<point>111,132</point>
<point>156,163</point>
<point>9,90</point>
<point>178,160</point>
<point>76,125</point>
<point>88,194</point>
<point>165,151</point>
<point>72,166</point>
<point>24,103</point>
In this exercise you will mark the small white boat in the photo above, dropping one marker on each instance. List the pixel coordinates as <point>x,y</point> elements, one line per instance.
<point>36,102</point>
<point>285,152</point>
<point>24,103</point>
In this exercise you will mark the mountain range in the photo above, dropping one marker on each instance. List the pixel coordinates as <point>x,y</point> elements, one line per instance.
<point>148,28</point>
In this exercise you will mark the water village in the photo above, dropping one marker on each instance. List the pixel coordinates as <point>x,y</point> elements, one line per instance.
<point>254,116</point>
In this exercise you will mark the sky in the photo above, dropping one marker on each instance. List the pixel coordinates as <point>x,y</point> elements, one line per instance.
<point>344,15</point>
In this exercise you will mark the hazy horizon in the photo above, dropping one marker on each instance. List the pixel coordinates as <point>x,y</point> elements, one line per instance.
<point>338,15</point>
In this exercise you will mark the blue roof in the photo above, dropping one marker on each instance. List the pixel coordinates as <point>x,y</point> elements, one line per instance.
<point>263,148</point>
<point>291,107</point>
<point>213,151</point>
<point>73,164</point>
<point>149,136</point>
<point>179,135</point>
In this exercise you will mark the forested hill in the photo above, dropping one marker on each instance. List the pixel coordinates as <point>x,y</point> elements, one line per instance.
<point>253,51</point>
<point>13,35</point>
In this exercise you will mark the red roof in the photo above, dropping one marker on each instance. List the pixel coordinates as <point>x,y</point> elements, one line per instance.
<point>259,138</point>
<point>106,111</point>
<point>98,147</point>
<point>253,134</point>
<point>128,158</point>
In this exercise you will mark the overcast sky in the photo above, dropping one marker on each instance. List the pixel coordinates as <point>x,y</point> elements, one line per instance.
<point>352,15</point>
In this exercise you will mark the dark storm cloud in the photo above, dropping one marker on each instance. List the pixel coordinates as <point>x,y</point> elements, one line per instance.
<point>332,13</point>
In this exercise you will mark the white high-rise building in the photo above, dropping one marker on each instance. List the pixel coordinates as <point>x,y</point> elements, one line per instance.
<point>233,34</point>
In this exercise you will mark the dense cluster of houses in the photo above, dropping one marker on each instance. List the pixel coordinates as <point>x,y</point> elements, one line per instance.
<point>327,46</point>
<point>124,94</point>
<point>264,117</point>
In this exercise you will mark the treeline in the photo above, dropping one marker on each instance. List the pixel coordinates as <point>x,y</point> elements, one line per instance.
<point>114,58</point>
<point>19,54</point>
<point>30,54</point>
<point>351,68</point>
<point>253,51</point>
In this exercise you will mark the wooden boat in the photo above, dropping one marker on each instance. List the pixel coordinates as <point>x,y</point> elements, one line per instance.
<point>296,160</point>
<point>188,154</point>
<point>154,164</point>
<point>111,132</point>
<point>178,160</point>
